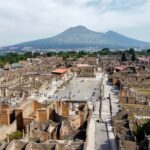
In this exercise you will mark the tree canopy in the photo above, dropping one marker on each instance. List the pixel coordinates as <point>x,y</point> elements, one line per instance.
<point>132,52</point>
<point>124,56</point>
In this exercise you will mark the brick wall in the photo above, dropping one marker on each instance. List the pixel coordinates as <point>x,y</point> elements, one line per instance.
<point>64,109</point>
<point>36,105</point>
<point>122,93</point>
<point>4,117</point>
<point>61,108</point>
<point>41,115</point>
<point>115,81</point>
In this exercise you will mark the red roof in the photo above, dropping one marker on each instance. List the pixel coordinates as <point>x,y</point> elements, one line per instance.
<point>60,71</point>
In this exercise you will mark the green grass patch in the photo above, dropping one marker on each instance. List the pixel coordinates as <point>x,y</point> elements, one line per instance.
<point>15,136</point>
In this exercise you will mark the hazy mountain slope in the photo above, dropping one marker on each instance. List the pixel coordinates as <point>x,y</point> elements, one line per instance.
<point>80,36</point>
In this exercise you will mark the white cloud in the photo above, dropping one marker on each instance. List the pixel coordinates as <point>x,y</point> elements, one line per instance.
<point>23,20</point>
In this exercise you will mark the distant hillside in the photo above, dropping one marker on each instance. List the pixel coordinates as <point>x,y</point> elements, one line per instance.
<point>81,37</point>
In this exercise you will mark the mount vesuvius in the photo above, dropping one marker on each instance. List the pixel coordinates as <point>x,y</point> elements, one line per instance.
<point>82,37</point>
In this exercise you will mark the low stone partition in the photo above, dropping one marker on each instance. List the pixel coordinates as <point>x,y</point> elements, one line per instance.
<point>7,129</point>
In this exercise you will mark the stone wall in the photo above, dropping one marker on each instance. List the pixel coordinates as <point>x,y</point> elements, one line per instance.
<point>5,129</point>
<point>115,81</point>
<point>26,121</point>
<point>64,109</point>
<point>4,117</point>
<point>14,92</point>
<point>41,115</point>
<point>36,105</point>
<point>122,93</point>
<point>61,108</point>
<point>27,108</point>
<point>132,100</point>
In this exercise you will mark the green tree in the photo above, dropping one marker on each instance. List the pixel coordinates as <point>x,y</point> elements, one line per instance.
<point>36,54</point>
<point>105,51</point>
<point>133,57</point>
<point>1,65</point>
<point>131,51</point>
<point>81,54</point>
<point>65,60</point>
<point>124,56</point>
<point>148,51</point>
<point>28,55</point>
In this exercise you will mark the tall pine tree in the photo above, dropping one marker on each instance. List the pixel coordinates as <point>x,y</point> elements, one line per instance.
<point>124,57</point>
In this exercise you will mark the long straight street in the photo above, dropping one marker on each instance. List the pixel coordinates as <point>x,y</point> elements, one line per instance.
<point>103,135</point>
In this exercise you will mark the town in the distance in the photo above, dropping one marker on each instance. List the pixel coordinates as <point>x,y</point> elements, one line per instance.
<point>75,100</point>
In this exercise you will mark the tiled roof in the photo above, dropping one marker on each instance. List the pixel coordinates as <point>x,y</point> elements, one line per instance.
<point>60,70</point>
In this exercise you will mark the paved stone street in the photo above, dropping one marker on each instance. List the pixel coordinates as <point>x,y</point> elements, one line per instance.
<point>104,137</point>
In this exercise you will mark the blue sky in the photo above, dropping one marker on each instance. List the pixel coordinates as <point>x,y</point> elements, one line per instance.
<point>23,20</point>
